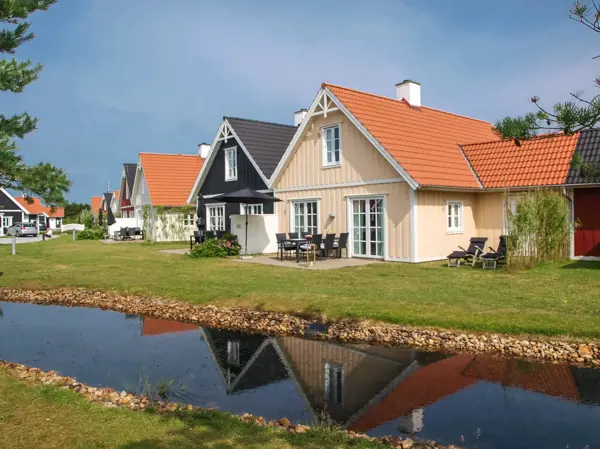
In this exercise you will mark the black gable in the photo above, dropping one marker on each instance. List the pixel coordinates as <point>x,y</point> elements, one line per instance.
<point>266,142</point>
<point>588,147</point>
<point>7,203</point>
<point>130,176</point>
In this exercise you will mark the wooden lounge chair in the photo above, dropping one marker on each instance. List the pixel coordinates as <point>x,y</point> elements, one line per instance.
<point>491,259</point>
<point>471,255</point>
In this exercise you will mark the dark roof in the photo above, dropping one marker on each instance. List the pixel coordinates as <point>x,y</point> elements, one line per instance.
<point>588,146</point>
<point>130,176</point>
<point>265,141</point>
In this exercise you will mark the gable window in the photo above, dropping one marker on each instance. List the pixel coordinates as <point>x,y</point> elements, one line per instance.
<point>231,164</point>
<point>253,209</point>
<point>216,218</point>
<point>189,219</point>
<point>454,216</point>
<point>334,383</point>
<point>332,152</point>
<point>233,352</point>
<point>305,216</point>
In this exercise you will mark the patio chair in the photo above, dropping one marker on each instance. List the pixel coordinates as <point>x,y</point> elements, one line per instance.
<point>471,255</point>
<point>317,240</point>
<point>293,235</point>
<point>491,259</point>
<point>329,246</point>
<point>341,244</point>
<point>284,247</point>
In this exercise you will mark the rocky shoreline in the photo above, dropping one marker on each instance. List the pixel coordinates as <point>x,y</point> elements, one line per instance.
<point>111,398</point>
<point>276,324</point>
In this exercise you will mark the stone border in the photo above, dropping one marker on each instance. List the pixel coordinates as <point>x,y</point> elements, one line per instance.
<point>113,399</point>
<point>277,323</point>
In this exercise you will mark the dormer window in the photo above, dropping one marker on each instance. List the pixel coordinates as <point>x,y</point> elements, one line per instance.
<point>332,148</point>
<point>231,164</point>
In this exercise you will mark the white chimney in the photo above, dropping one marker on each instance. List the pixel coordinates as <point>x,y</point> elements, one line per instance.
<point>410,91</point>
<point>299,116</point>
<point>203,150</point>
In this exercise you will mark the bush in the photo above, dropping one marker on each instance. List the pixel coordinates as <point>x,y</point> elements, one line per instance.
<point>95,233</point>
<point>216,248</point>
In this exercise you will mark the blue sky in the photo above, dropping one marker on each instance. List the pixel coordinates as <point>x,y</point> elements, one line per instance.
<point>122,77</point>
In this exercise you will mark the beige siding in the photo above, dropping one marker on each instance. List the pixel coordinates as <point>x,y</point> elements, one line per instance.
<point>335,201</point>
<point>482,217</point>
<point>360,160</point>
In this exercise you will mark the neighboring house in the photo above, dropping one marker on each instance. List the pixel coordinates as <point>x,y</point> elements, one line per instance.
<point>11,211</point>
<point>95,205</point>
<point>55,217</point>
<point>410,183</point>
<point>243,155</point>
<point>110,200</point>
<point>127,179</point>
<point>160,191</point>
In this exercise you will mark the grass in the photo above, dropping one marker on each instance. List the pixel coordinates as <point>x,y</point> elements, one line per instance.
<point>33,416</point>
<point>561,298</point>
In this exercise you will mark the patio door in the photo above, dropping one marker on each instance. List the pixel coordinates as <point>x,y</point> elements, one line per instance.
<point>367,227</point>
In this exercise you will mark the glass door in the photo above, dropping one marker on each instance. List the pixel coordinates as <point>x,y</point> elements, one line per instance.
<point>367,227</point>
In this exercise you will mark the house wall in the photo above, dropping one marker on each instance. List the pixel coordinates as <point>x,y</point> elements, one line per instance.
<point>335,201</point>
<point>8,208</point>
<point>363,171</point>
<point>482,217</point>
<point>261,232</point>
<point>166,227</point>
<point>587,216</point>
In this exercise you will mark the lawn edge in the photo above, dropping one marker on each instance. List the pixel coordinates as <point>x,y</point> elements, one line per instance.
<point>551,349</point>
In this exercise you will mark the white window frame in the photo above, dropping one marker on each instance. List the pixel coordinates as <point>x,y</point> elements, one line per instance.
<point>231,173</point>
<point>292,214</point>
<point>325,151</point>
<point>451,214</point>
<point>233,352</point>
<point>254,209</point>
<point>215,206</point>
<point>9,219</point>
<point>330,396</point>
<point>189,219</point>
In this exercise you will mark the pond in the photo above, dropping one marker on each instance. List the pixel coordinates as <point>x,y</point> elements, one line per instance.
<point>469,400</point>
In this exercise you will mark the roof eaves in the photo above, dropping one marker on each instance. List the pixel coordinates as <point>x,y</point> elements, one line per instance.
<point>475,174</point>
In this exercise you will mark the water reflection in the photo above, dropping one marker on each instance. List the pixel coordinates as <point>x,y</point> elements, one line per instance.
<point>488,401</point>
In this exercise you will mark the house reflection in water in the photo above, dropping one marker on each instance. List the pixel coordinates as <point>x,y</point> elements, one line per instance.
<point>153,326</point>
<point>364,387</point>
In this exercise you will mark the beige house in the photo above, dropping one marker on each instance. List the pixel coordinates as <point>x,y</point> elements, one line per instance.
<point>388,171</point>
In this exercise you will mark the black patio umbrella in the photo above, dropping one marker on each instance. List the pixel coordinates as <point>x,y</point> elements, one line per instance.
<point>246,196</point>
<point>110,218</point>
<point>201,221</point>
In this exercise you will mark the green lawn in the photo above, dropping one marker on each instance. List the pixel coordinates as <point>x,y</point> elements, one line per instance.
<point>50,418</point>
<point>553,299</point>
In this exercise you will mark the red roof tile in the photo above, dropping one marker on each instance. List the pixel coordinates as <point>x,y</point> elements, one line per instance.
<point>153,326</point>
<point>95,204</point>
<point>57,212</point>
<point>35,207</point>
<point>424,141</point>
<point>541,161</point>
<point>170,177</point>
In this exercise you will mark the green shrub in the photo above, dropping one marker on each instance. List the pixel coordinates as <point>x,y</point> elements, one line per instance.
<point>216,248</point>
<point>95,233</point>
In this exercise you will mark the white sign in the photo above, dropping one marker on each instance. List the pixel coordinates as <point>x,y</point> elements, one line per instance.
<point>72,227</point>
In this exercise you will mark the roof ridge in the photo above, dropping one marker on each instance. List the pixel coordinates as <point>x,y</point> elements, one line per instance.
<point>383,97</point>
<point>538,137</point>
<point>169,154</point>
<point>226,117</point>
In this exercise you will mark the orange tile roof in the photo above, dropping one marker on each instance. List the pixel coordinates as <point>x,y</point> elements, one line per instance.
<point>423,140</point>
<point>170,177</point>
<point>541,161</point>
<point>35,207</point>
<point>116,195</point>
<point>57,212</point>
<point>95,204</point>
<point>153,326</point>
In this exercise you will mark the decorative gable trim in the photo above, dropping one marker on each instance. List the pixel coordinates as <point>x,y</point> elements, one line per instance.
<point>324,103</point>
<point>225,133</point>
<point>10,197</point>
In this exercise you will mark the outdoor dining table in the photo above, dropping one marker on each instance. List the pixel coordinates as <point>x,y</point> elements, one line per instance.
<point>298,242</point>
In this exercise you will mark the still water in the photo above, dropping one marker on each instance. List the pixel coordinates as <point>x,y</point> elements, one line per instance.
<point>470,400</point>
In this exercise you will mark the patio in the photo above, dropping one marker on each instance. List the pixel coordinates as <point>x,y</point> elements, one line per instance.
<point>325,264</point>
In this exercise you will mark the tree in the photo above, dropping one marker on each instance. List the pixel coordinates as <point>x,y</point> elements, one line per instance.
<point>72,210</point>
<point>568,117</point>
<point>100,217</point>
<point>44,180</point>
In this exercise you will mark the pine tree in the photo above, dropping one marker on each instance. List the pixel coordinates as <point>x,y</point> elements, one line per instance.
<point>44,180</point>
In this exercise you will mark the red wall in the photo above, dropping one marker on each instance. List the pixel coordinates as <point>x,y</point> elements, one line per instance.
<point>587,216</point>
<point>125,204</point>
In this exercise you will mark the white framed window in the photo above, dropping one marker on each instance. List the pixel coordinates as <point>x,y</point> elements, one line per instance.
<point>189,219</point>
<point>216,217</point>
<point>334,383</point>
<point>454,216</point>
<point>6,222</point>
<point>305,216</point>
<point>253,209</point>
<point>332,146</point>
<point>231,164</point>
<point>233,352</point>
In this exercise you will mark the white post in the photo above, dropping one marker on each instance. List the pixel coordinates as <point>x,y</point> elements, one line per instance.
<point>73,234</point>
<point>14,245</point>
